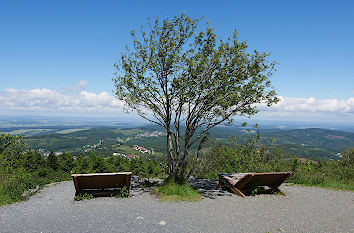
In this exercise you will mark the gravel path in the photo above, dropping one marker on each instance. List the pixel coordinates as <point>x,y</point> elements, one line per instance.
<point>303,209</point>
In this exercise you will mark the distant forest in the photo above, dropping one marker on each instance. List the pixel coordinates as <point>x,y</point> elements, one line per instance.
<point>314,143</point>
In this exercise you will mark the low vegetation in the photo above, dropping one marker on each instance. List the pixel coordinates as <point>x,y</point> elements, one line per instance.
<point>22,169</point>
<point>83,196</point>
<point>255,156</point>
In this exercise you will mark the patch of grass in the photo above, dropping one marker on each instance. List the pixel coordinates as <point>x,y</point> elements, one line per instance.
<point>317,179</point>
<point>331,185</point>
<point>172,191</point>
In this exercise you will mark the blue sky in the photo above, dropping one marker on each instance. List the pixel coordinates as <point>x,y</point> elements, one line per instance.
<point>51,50</point>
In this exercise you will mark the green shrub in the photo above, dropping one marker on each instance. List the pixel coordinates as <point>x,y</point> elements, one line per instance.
<point>17,184</point>
<point>52,160</point>
<point>42,172</point>
<point>254,156</point>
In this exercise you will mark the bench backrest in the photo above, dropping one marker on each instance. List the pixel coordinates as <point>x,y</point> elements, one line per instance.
<point>101,180</point>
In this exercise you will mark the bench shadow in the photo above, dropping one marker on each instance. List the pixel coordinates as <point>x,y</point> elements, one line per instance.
<point>140,186</point>
<point>209,188</point>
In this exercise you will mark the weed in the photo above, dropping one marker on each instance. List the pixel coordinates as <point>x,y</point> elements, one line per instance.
<point>83,196</point>
<point>254,191</point>
<point>154,191</point>
<point>279,193</point>
<point>122,192</point>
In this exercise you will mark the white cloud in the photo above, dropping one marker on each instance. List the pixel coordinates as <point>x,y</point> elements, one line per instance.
<point>311,105</point>
<point>46,100</point>
<point>80,86</point>
<point>92,104</point>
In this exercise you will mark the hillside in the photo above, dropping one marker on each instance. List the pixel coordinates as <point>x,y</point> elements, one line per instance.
<point>315,137</point>
<point>105,141</point>
<point>314,143</point>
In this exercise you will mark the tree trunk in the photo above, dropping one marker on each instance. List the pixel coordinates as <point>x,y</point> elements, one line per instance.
<point>183,161</point>
<point>203,140</point>
<point>170,156</point>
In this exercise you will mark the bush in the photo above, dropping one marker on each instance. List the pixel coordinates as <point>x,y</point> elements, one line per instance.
<point>254,156</point>
<point>42,172</point>
<point>52,160</point>
<point>17,184</point>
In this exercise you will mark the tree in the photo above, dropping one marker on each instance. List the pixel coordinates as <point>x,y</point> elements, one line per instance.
<point>11,151</point>
<point>32,160</point>
<point>66,162</point>
<point>80,164</point>
<point>181,77</point>
<point>96,164</point>
<point>52,161</point>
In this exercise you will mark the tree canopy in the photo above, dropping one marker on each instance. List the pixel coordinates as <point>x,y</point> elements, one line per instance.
<point>179,75</point>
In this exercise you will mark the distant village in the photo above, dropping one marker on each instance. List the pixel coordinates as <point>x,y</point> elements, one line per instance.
<point>151,134</point>
<point>94,146</point>
<point>138,148</point>
<point>99,146</point>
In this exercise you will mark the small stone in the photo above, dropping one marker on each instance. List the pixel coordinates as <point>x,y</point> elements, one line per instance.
<point>162,223</point>
<point>139,218</point>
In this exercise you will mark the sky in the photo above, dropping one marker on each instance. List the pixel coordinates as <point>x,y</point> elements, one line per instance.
<point>57,57</point>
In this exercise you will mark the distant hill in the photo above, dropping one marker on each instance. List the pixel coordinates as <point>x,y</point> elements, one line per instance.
<point>311,143</point>
<point>315,137</point>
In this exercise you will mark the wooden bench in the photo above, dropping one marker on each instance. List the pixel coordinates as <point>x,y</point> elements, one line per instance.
<point>101,184</point>
<point>241,183</point>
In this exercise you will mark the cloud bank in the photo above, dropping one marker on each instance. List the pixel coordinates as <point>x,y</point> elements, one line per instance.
<point>77,100</point>
<point>290,104</point>
<point>46,100</point>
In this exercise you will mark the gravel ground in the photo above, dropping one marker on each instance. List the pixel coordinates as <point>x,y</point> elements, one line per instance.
<point>303,209</point>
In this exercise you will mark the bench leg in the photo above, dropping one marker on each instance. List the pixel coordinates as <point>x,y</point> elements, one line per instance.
<point>76,183</point>
<point>237,192</point>
<point>220,182</point>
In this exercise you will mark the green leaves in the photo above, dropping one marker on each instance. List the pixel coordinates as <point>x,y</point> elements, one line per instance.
<point>179,72</point>
<point>52,161</point>
<point>11,148</point>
